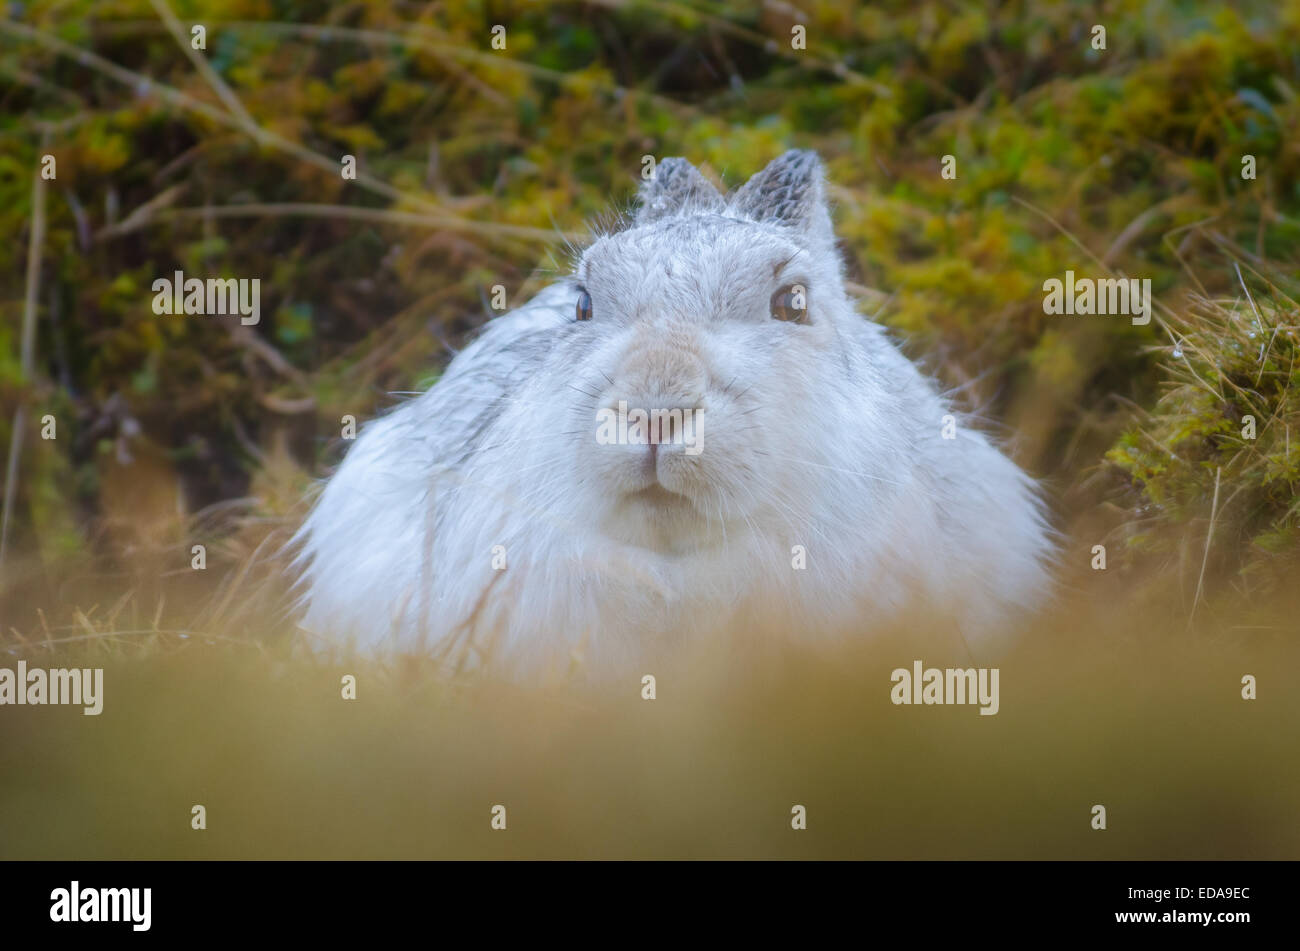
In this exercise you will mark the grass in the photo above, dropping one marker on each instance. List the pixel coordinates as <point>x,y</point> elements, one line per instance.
<point>1111,710</point>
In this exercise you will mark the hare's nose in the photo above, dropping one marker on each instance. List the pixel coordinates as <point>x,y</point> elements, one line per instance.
<point>663,371</point>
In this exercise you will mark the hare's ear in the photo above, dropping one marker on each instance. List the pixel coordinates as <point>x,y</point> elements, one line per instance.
<point>789,191</point>
<point>676,187</point>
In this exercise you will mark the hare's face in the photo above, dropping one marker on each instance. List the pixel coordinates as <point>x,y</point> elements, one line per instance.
<point>709,334</point>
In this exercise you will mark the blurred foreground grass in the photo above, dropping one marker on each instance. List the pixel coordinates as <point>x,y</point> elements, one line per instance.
<point>1131,712</point>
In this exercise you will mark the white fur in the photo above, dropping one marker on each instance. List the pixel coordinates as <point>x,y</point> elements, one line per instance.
<point>821,435</point>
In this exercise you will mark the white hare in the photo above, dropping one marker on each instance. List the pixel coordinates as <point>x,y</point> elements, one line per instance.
<point>807,486</point>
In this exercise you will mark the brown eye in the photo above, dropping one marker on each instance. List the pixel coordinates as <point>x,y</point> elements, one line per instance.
<point>791,303</point>
<point>584,305</point>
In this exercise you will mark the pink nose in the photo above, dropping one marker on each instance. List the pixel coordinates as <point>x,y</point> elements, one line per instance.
<point>662,367</point>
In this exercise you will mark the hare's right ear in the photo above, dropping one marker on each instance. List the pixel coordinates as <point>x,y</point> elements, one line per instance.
<point>676,187</point>
<point>790,192</point>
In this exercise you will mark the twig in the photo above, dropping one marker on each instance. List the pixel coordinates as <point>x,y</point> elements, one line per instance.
<point>1205,559</point>
<point>1136,227</point>
<point>768,44</point>
<point>224,92</point>
<point>28,349</point>
<point>136,221</point>
<point>138,81</point>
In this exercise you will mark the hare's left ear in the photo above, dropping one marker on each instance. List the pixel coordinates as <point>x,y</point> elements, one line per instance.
<point>789,191</point>
<point>676,188</point>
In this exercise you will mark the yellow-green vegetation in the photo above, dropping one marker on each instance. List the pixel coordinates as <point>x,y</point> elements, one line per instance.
<point>1222,430</point>
<point>1172,155</point>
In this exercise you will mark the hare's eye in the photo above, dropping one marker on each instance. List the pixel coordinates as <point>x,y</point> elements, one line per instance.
<point>584,305</point>
<point>791,303</point>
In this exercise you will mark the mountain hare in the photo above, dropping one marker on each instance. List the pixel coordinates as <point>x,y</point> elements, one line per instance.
<point>694,435</point>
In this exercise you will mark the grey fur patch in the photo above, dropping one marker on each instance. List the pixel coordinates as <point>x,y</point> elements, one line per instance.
<point>788,190</point>
<point>677,188</point>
